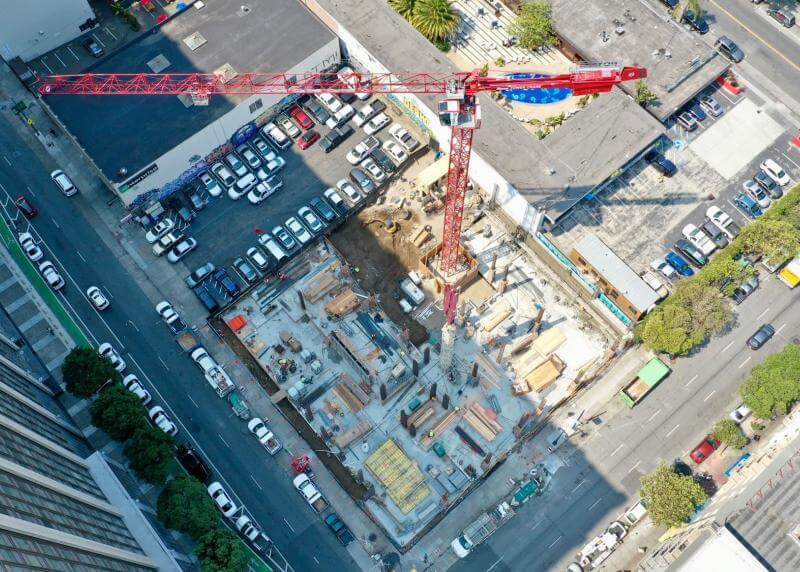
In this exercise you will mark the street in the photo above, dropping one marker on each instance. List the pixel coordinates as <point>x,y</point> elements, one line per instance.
<point>71,237</point>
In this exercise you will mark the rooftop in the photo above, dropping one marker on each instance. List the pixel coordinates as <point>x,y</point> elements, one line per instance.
<point>678,62</point>
<point>580,155</point>
<point>718,550</point>
<point>270,36</point>
<point>616,272</point>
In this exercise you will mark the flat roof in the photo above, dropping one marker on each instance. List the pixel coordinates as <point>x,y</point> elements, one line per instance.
<point>717,550</point>
<point>581,154</point>
<point>616,272</point>
<point>679,62</point>
<point>133,131</point>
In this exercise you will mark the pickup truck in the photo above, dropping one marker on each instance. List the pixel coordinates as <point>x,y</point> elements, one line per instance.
<point>481,529</point>
<point>170,317</point>
<point>213,372</point>
<point>310,492</point>
<point>645,381</point>
<point>264,435</point>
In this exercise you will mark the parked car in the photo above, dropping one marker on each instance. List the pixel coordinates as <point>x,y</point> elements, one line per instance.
<point>310,220</point>
<point>368,111</point>
<point>51,275</point>
<point>25,207</point>
<point>258,258</point>
<point>236,164</point>
<point>163,244</point>
<point>748,206</point>
<point>346,76</point>
<point>335,137</point>
<point>323,209</point>
<point>716,235</point>
<point>301,117</point>
<point>298,230</point>
<point>193,462</point>
<point>403,137</point>
<point>314,107</point>
<point>307,139</point>
<point>377,123</point>
<point>339,529</point>
<point>687,121</point>
<point>724,222</point>
<point>276,136</point>
<point>662,267</point>
<point>768,184</point>
<point>199,275</point>
<point>698,239</point>
<point>696,21</point>
<point>711,105</point>
<point>259,193</point>
<point>661,163</point>
<point>63,182</point>
<point>247,528</point>
<point>679,264</point>
<point>262,148</point>
<point>245,270</point>
<point>740,413</point>
<point>362,150</point>
<point>93,47</point>
<point>744,290</point>
<point>396,152</point>
<point>221,498</point>
<point>330,101</point>
<point>222,278</point>
<point>271,246</point>
<point>181,249</point>
<point>671,3</point>
<point>271,167</point>
<point>761,337</point>
<point>755,192</point>
<point>371,167</point>
<point>383,160</point>
<point>782,15</point>
<point>223,174</point>
<point>242,186</point>
<point>335,199</point>
<point>28,244</point>
<point>132,384</point>
<point>198,203</point>
<point>690,251</point>
<point>729,49</point>
<point>284,237</point>
<point>704,449</point>
<point>362,181</point>
<point>107,351</point>
<point>775,172</point>
<point>249,156</point>
<point>97,298</point>
<point>288,126</point>
<point>210,184</point>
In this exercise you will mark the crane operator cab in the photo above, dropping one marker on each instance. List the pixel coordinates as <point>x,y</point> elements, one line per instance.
<point>464,112</point>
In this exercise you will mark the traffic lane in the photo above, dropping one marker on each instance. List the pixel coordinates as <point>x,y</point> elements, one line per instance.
<point>62,238</point>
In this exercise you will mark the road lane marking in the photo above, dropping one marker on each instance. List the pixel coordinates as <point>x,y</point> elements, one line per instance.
<point>617,449</point>
<point>778,331</point>
<point>633,468</point>
<point>192,400</point>
<point>652,417</point>
<point>134,326</point>
<point>80,255</point>
<point>30,190</point>
<point>595,503</point>
<point>55,223</point>
<point>727,347</point>
<point>579,485</point>
<point>761,315</point>
<point>709,396</point>
<point>498,561</point>
<point>256,482</point>
<point>7,161</point>
<point>223,440</point>
<point>744,363</point>
<point>554,542</point>
<point>289,525</point>
<point>688,383</point>
<point>166,367</point>
<point>671,431</point>
<point>537,525</point>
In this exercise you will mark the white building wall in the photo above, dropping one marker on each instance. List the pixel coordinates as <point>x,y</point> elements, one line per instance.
<point>30,28</point>
<point>177,160</point>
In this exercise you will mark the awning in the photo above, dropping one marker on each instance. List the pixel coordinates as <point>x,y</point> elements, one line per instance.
<point>433,172</point>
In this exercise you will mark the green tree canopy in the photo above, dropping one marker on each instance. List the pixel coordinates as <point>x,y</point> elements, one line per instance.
<point>774,384</point>
<point>150,454</point>
<point>403,7</point>
<point>724,273</point>
<point>534,26</point>
<point>184,505</point>
<point>643,94</point>
<point>84,371</point>
<point>670,498</point>
<point>221,551</point>
<point>729,432</point>
<point>118,412</point>
<point>777,240</point>
<point>435,19</point>
<point>668,329</point>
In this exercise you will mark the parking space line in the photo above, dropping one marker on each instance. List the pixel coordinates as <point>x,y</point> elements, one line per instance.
<point>707,397</point>
<point>166,367</point>
<point>59,59</point>
<point>790,160</point>
<point>74,55</point>
<point>726,348</point>
<point>554,542</point>
<point>621,445</point>
<point>256,482</point>
<point>778,331</point>
<point>579,485</point>
<point>223,440</point>
<point>108,31</point>
<point>98,40</point>
<point>192,400</point>
<point>745,362</point>
<point>653,416</point>
<point>44,63</point>
<point>496,562</point>
<point>595,503</point>
<point>80,256</point>
<point>289,525</point>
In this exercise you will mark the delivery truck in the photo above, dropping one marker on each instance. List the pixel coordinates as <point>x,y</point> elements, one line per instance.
<point>790,275</point>
<point>481,529</point>
<point>645,381</point>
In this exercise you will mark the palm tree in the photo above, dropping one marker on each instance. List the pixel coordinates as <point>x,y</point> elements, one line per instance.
<point>435,19</point>
<point>403,7</point>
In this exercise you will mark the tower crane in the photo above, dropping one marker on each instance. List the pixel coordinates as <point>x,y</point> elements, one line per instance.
<point>458,109</point>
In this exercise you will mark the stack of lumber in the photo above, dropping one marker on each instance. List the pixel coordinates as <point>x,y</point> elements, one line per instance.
<point>538,352</point>
<point>420,237</point>
<point>356,389</point>
<point>344,439</point>
<point>521,344</point>
<point>484,423</point>
<point>440,427</point>
<point>421,415</point>
<point>545,375</point>
<point>320,285</point>
<point>343,392</point>
<point>343,304</point>
<point>498,314</point>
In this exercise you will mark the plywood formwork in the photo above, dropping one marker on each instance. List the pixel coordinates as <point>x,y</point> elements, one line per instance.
<point>545,375</point>
<point>399,475</point>
<point>343,304</point>
<point>498,314</point>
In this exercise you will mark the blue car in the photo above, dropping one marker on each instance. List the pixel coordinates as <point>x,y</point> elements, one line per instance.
<point>679,264</point>
<point>748,206</point>
<point>695,109</point>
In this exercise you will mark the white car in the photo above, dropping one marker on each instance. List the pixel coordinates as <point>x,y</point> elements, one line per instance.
<point>403,137</point>
<point>740,413</point>
<point>263,149</point>
<point>258,428</point>
<point>242,186</point>
<point>345,113</point>
<point>211,185</point>
<point>718,217</point>
<point>274,165</point>
<point>161,420</point>
<point>258,258</point>
<point>775,172</point>
<point>274,134</point>
<point>221,499</point>
<point>377,123</point>
<point>239,168</point>
<point>362,150</point>
<point>28,244</point>
<point>107,350</point>
<point>348,190</point>
<point>371,167</point>
<point>63,182</point>
<point>97,298</point>
<point>396,152</point>
<point>289,127</point>
<point>258,194</point>
<point>311,220</point>
<point>181,249</point>
<point>298,230</point>
<point>661,266</point>
<point>247,528</point>
<point>51,275</point>
<point>250,157</point>
<point>330,101</point>
<point>132,384</point>
<point>334,198</point>
<point>223,174</point>
<point>160,229</point>
<point>699,239</point>
<point>165,243</point>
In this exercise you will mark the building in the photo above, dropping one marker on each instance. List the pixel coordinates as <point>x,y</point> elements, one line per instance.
<point>521,173</point>
<point>148,147</point>
<point>679,63</point>
<point>61,505</point>
<point>30,29</point>
<point>613,277</point>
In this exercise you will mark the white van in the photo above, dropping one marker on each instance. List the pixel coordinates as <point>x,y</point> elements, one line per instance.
<point>272,247</point>
<point>63,182</point>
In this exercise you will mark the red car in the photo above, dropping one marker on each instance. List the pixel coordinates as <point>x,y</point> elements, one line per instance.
<point>25,207</point>
<point>301,117</point>
<point>704,450</point>
<point>307,139</point>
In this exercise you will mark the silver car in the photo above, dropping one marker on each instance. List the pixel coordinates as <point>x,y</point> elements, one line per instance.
<point>223,174</point>
<point>298,230</point>
<point>236,164</point>
<point>311,220</point>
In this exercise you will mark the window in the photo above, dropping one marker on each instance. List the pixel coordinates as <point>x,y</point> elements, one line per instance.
<point>256,105</point>
<point>613,294</point>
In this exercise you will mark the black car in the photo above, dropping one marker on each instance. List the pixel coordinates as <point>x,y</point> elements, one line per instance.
<point>743,291</point>
<point>314,107</point>
<point>93,47</point>
<point>383,160</point>
<point>339,528</point>
<point>193,463</point>
<point>690,251</point>
<point>347,97</point>
<point>715,234</point>
<point>729,49</point>
<point>661,163</point>
<point>323,209</point>
<point>761,337</point>
<point>335,138</point>
<point>698,23</point>
<point>766,182</point>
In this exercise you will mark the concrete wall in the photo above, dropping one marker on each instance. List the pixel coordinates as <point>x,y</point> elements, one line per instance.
<point>177,160</point>
<point>30,28</point>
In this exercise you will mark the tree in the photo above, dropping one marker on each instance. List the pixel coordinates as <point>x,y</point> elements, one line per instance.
<point>709,310</point>
<point>667,329</point>
<point>643,95</point>
<point>150,454</point>
<point>118,412</point>
<point>221,551</point>
<point>184,505</point>
<point>670,498</point>
<point>777,240</point>
<point>724,273</point>
<point>774,384</point>
<point>84,371</point>
<point>729,432</point>
<point>534,26</point>
<point>403,7</point>
<point>693,6</point>
<point>435,19</point>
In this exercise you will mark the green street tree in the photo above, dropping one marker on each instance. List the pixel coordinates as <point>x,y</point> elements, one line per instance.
<point>777,240</point>
<point>729,432</point>
<point>403,7</point>
<point>534,26</point>
<point>643,95</point>
<point>150,454</point>
<point>84,371</point>
<point>437,20</point>
<point>221,551</point>
<point>118,412</point>
<point>184,505</point>
<point>670,498</point>
<point>724,273</point>
<point>774,384</point>
<point>710,311</point>
<point>667,329</point>
<point>694,7</point>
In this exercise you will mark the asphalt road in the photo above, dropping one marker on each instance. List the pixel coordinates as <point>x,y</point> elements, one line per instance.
<point>151,352</point>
